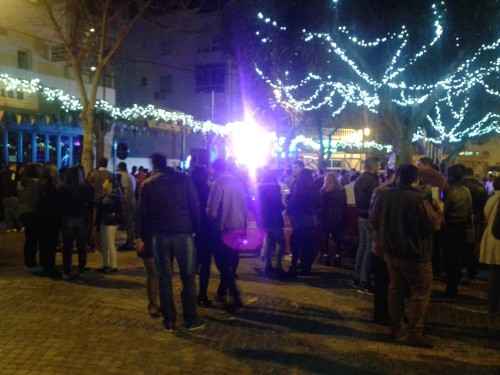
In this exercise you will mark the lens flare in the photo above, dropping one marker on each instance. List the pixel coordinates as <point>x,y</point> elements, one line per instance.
<point>250,144</point>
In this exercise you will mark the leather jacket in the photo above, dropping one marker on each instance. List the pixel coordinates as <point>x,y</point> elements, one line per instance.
<point>457,204</point>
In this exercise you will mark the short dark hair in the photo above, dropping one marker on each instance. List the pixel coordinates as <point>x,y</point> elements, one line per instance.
<point>371,161</point>
<point>122,166</point>
<point>469,172</point>
<point>408,173</point>
<point>299,163</point>
<point>102,162</point>
<point>427,161</point>
<point>219,165</point>
<point>159,161</point>
<point>456,172</point>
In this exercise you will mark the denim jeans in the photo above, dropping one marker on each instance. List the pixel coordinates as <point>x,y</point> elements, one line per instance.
<point>365,259</point>
<point>74,229</point>
<point>274,237</point>
<point>166,248</point>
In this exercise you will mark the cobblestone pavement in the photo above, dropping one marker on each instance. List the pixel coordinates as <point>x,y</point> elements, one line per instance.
<point>316,325</point>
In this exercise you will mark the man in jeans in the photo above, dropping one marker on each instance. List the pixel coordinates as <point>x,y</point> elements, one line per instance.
<point>405,221</point>
<point>169,212</point>
<point>365,259</point>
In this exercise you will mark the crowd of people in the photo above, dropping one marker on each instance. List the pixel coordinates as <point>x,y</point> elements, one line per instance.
<point>413,223</point>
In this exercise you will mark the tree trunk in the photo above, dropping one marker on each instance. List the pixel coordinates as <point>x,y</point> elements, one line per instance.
<point>88,138</point>
<point>404,149</point>
<point>100,133</point>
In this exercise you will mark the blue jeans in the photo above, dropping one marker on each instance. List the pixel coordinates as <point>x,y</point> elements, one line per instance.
<point>274,237</point>
<point>365,259</point>
<point>166,247</point>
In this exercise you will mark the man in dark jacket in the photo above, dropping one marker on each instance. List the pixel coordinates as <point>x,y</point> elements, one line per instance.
<point>363,191</point>
<point>404,222</point>
<point>458,218</point>
<point>169,212</point>
<point>479,196</point>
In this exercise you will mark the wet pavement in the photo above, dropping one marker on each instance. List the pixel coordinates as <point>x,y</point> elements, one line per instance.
<point>314,325</point>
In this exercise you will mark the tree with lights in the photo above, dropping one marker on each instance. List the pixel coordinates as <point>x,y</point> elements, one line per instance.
<point>91,33</point>
<point>401,62</point>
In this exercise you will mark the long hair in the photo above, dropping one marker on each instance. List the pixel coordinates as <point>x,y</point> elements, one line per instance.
<point>50,176</point>
<point>74,176</point>
<point>31,171</point>
<point>331,182</point>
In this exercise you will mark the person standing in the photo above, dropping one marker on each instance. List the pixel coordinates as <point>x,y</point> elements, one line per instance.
<point>76,213</point>
<point>227,208</point>
<point>28,193</point>
<point>270,208</point>
<point>305,203</point>
<point>128,185</point>
<point>431,178</point>
<point>169,211</point>
<point>204,238</point>
<point>479,196</point>
<point>404,222</point>
<point>333,202</point>
<point>363,191</point>
<point>49,205</point>
<point>109,217</point>
<point>96,179</point>
<point>490,251</point>
<point>458,216</point>
<point>8,193</point>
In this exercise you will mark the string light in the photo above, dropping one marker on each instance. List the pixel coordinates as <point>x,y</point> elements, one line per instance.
<point>72,104</point>
<point>317,90</point>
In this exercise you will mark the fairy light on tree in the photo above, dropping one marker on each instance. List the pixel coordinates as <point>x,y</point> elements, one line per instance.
<point>434,58</point>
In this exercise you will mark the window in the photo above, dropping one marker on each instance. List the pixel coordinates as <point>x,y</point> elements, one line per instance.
<point>24,59</point>
<point>166,83</point>
<point>210,78</point>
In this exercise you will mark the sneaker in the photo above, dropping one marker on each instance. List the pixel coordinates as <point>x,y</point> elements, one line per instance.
<point>22,229</point>
<point>82,275</point>
<point>168,326</point>
<point>66,276</point>
<point>10,230</point>
<point>197,324</point>
<point>355,284</point>
<point>111,270</point>
<point>366,289</point>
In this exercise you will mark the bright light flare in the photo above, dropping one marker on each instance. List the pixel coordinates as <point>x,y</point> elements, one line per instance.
<point>249,144</point>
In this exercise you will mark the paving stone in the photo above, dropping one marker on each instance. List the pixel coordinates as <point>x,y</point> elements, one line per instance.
<point>316,324</point>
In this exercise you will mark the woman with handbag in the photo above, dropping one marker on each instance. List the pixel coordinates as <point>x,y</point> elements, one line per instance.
<point>490,250</point>
<point>109,216</point>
